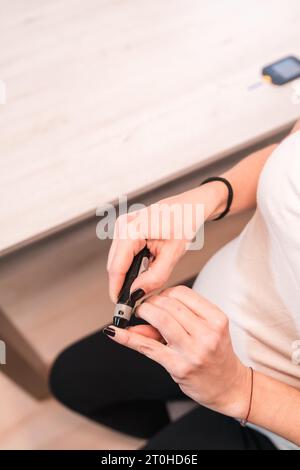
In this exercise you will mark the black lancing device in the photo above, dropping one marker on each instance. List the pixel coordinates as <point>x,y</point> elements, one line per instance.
<point>126,302</point>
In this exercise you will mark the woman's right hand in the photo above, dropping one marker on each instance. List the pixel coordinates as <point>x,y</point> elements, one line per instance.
<point>167,237</point>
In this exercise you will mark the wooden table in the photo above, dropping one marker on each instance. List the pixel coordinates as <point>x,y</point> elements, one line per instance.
<point>107,98</point>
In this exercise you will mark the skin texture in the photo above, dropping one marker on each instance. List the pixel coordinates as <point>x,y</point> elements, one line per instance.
<point>165,251</point>
<point>188,335</point>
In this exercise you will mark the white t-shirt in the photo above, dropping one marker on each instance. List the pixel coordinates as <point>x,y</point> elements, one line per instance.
<point>255,279</point>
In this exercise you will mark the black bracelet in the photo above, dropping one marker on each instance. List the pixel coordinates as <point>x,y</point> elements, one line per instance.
<point>230,193</point>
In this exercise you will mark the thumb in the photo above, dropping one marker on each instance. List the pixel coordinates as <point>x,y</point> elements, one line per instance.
<point>147,330</point>
<point>159,271</point>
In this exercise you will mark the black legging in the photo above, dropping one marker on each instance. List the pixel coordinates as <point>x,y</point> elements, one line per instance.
<point>126,391</point>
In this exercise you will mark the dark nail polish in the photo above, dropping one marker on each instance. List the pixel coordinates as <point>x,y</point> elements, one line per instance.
<point>109,331</point>
<point>137,295</point>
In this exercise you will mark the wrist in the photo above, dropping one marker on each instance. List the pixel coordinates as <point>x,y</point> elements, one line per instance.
<point>236,398</point>
<point>214,196</point>
<point>262,415</point>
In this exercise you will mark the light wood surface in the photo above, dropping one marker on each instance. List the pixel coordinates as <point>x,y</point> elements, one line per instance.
<point>29,424</point>
<point>107,98</point>
<point>24,364</point>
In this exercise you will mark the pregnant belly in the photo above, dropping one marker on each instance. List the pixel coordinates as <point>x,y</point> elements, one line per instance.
<point>219,282</point>
<point>239,281</point>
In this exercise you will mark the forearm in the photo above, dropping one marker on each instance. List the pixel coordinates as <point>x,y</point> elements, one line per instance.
<point>276,407</point>
<point>243,178</point>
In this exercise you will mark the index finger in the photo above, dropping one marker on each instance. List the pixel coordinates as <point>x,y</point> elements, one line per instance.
<point>123,253</point>
<point>151,348</point>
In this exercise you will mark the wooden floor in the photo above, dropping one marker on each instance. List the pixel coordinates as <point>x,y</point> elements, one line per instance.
<point>29,424</point>
<point>52,315</point>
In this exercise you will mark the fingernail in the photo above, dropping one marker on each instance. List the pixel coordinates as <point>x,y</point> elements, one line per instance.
<point>109,331</point>
<point>137,295</point>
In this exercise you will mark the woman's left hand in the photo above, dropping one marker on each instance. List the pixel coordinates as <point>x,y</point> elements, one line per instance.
<point>190,338</point>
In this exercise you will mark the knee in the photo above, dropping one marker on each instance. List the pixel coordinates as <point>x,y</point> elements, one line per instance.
<point>59,379</point>
<point>80,378</point>
<point>66,383</point>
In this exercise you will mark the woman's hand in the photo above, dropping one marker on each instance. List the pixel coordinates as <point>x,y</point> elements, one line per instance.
<point>167,236</point>
<point>189,337</point>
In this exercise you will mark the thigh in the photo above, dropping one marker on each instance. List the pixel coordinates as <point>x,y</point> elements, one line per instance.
<point>203,429</point>
<point>97,372</point>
